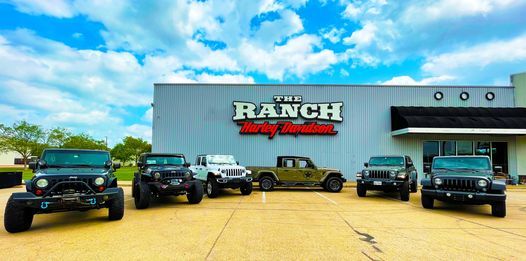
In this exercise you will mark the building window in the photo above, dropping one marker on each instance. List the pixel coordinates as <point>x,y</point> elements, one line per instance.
<point>448,148</point>
<point>431,150</point>
<point>482,148</point>
<point>464,147</point>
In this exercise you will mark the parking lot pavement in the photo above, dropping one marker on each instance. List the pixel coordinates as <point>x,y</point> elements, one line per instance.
<point>282,224</point>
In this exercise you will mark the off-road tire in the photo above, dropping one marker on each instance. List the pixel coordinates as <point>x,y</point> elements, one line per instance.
<point>427,202</point>
<point>404,191</point>
<point>246,189</point>
<point>142,195</point>
<point>498,209</point>
<point>266,183</point>
<point>196,195</point>
<point>414,186</point>
<point>17,219</point>
<point>212,188</point>
<point>361,190</point>
<point>334,184</point>
<point>116,207</point>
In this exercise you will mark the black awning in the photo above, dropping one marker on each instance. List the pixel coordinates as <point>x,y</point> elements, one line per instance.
<point>458,120</point>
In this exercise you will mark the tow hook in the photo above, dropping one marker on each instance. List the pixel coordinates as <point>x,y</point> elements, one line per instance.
<point>44,205</point>
<point>92,201</point>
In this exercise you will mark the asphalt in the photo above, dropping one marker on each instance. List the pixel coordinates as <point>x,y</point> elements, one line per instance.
<point>283,224</point>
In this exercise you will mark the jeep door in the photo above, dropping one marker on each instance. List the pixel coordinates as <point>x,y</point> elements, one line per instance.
<point>200,169</point>
<point>288,170</point>
<point>307,171</point>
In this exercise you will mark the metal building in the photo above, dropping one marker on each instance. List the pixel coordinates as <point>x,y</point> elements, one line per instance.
<point>430,120</point>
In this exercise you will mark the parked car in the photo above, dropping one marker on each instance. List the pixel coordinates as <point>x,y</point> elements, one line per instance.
<point>222,171</point>
<point>66,180</point>
<point>164,174</point>
<point>388,173</point>
<point>297,171</point>
<point>466,180</point>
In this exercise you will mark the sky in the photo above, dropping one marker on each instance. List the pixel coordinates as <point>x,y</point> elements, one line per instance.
<point>90,65</point>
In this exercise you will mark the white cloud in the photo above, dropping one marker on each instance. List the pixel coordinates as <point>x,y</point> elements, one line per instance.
<point>56,8</point>
<point>148,115</point>
<point>225,78</point>
<point>139,130</point>
<point>407,80</point>
<point>271,32</point>
<point>296,3</point>
<point>363,37</point>
<point>334,35</point>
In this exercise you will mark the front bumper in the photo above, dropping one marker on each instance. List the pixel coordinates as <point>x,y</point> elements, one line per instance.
<point>65,202</point>
<point>380,184</point>
<point>177,188</point>
<point>233,182</point>
<point>464,197</point>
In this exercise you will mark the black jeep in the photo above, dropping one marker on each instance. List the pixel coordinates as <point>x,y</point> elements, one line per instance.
<point>162,174</point>
<point>66,180</point>
<point>388,173</point>
<point>466,180</point>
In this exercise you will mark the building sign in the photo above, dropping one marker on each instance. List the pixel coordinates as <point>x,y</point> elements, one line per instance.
<point>282,111</point>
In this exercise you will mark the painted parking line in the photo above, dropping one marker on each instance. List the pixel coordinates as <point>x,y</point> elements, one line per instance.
<point>328,199</point>
<point>263,197</point>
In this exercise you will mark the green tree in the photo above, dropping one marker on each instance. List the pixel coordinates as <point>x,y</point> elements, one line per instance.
<point>83,141</point>
<point>130,149</point>
<point>22,137</point>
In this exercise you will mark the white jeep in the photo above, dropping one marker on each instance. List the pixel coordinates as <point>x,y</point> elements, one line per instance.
<point>221,171</point>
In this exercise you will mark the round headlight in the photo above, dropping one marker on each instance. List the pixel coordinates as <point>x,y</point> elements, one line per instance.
<point>42,183</point>
<point>392,173</point>
<point>99,181</point>
<point>188,175</point>
<point>366,173</point>
<point>482,183</point>
<point>156,175</point>
<point>438,181</point>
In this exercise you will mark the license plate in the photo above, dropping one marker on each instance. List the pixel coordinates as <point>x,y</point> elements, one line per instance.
<point>377,183</point>
<point>174,182</point>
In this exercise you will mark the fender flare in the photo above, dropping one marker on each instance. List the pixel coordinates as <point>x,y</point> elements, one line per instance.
<point>268,173</point>
<point>426,182</point>
<point>498,185</point>
<point>329,174</point>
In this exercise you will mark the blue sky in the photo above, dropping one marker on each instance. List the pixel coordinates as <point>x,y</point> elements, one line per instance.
<point>90,65</point>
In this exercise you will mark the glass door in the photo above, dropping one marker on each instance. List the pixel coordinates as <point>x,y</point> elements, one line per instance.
<point>499,155</point>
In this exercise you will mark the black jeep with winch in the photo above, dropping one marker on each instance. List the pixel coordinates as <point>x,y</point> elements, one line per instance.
<point>66,180</point>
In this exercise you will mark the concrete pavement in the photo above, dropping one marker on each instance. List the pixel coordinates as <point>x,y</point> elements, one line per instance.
<point>282,224</point>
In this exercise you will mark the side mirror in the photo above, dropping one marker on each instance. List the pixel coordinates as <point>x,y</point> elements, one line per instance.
<point>116,165</point>
<point>237,162</point>
<point>32,165</point>
<point>366,164</point>
<point>186,165</point>
<point>42,164</point>
<point>409,163</point>
<point>107,164</point>
<point>139,164</point>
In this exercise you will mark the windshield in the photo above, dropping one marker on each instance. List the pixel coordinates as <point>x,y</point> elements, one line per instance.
<point>386,161</point>
<point>477,163</point>
<point>221,159</point>
<point>66,158</point>
<point>165,160</point>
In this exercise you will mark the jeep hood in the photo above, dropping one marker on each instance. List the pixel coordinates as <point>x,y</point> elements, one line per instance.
<point>329,169</point>
<point>387,168</point>
<point>167,168</point>
<point>72,171</point>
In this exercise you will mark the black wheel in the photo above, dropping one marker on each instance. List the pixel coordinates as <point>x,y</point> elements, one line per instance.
<point>427,202</point>
<point>414,186</point>
<point>116,207</point>
<point>361,190</point>
<point>404,191</point>
<point>498,209</point>
<point>142,195</point>
<point>17,219</point>
<point>212,188</point>
<point>266,183</point>
<point>196,195</point>
<point>334,184</point>
<point>246,189</point>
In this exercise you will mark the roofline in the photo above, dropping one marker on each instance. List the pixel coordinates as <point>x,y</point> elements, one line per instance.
<point>326,85</point>
<point>462,156</point>
<point>160,153</point>
<point>66,149</point>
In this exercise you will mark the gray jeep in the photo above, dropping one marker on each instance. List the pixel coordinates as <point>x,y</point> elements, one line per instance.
<point>388,173</point>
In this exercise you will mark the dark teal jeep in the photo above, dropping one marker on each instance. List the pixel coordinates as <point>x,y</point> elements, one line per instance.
<point>466,180</point>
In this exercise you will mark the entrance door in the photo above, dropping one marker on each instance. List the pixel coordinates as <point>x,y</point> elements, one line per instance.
<point>499,155</point>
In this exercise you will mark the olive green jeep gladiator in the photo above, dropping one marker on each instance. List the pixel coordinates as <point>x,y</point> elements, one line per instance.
<point>294,171</point>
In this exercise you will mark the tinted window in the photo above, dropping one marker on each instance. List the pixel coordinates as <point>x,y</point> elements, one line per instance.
<point>480,163</point>
<point>386,161</point>
<point>288,163</point>
<point>58,158</point>
<point>165,160</point>
<point>464,148</point>
<point>305,164</point>
<point>449,148</point>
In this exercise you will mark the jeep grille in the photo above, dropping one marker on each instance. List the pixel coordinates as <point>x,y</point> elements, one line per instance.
<point>77,187</point>
<point>379,174</point>
<point>459,184</point>
<point>172,174</point>
<point>234,172</point>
